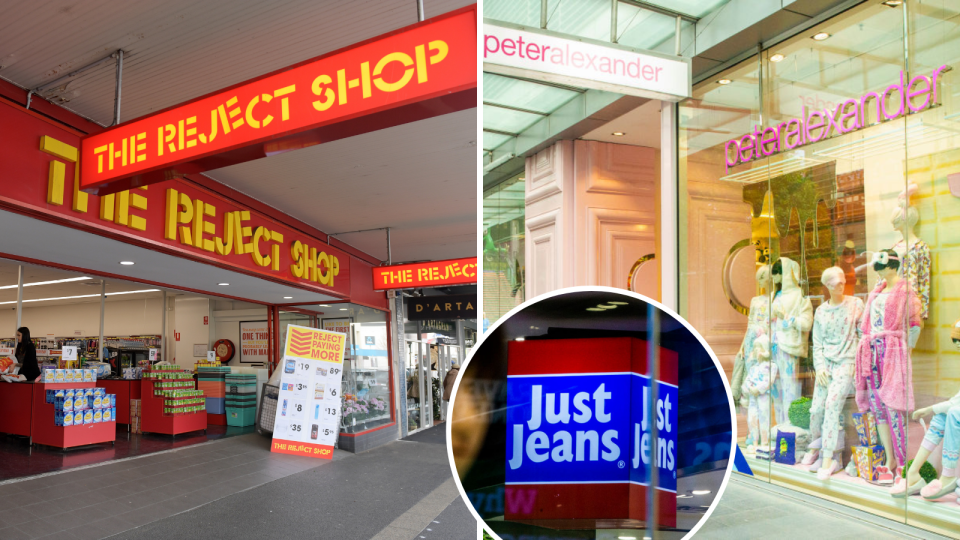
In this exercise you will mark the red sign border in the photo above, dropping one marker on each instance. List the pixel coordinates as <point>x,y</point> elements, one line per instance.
<point>417,264</point>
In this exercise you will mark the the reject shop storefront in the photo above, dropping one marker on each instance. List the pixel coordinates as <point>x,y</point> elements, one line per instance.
<point>80,198</point>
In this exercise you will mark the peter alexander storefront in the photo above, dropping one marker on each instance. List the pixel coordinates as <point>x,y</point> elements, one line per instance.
<point>822,150</point>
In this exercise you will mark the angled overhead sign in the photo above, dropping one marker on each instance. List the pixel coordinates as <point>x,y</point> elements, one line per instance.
<point>417,72</point>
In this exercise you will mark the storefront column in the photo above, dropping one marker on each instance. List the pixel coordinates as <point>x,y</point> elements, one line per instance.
<point>19,298</point>
<point>103,300</point>
<point>461,354</point>
<point>669,186</point>
<point>399,362</point>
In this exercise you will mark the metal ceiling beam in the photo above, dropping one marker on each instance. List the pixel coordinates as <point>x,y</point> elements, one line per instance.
<point>500,132</point>
<point>512,108</point>
<point>661,10</point>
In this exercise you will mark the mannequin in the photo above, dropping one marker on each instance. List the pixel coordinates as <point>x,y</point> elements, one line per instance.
<point>835,337</point>
<point>914,252</point>
<point>792,319</point>
<point>756,388</point>
<point>945,427</point>
<point>884,375</point>
<point>757,321</point>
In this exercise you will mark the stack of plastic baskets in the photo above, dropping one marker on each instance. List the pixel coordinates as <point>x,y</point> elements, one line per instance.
<point>211,381</point>
<point>241,399</point>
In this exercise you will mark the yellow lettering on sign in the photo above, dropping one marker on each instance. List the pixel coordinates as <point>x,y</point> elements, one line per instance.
<point>224,248</point>
<point>296,254</point>
<point>173,210</point>
<point>185,217</point>
<point>201,226</point>
<point>327,93</point>
<point>241,233</point>
<point>404,59</point>
<point>57,174</point>
<point>55,182</point>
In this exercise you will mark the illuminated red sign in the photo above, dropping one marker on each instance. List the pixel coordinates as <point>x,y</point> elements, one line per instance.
<point>428,274</point>
<point>421,71</point>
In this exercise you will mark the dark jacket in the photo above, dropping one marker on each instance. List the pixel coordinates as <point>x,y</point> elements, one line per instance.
<point>28,361</point>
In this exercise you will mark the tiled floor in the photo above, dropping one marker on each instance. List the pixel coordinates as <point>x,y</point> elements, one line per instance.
<point>18,459</point>
<point>96,502</point>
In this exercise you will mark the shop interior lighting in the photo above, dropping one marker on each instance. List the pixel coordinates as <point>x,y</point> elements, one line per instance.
<point>223,284</point>
<point>520,339</point>
<point>81,296</point>
<point>343,309</point>
<point>893,140</point>
<point>595,309</point>
<point>127,263</point>
<point>287,297</point>
<point>701,492</point>
<point>626,538</point>
<point>724,81</point>
<point>893,3</point>
<point>607,306</point>
<point>793,163</point>
<point>618,134</point>
<point>776,57</point>
<point>619,303</point>
<point>820,36</point>
<point>46,282</point>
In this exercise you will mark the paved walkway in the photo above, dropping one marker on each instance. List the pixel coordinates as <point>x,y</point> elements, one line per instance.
<point>236,488</point>
<point>751,509</point>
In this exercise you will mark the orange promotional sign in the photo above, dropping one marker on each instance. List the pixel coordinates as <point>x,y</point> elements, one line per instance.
<point>417,72</point>
<point>428,274</point>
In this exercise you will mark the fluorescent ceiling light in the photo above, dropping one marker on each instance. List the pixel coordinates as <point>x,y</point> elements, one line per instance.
<point>618,134</point>
<point>127,263</point>
<point>287,297</point>
<point>46,282</point>
<point>776,57</point>
<point>519,339</point>
<point>701,492</point>
<point>619,303</point>
<point>607,306</point>
<point>223,284</point>
<point>343,309</point>
<point>324,305</point>
<point>595,309</point>
<point>81,296</point>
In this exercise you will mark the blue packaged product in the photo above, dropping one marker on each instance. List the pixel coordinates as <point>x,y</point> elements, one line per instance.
<point>80,403</point>
<point>97,416</point>
<point>87,391</point>
<point>58,418</point>
<point>107,415</point>
<point>50,394</point>
<point>87,416</point>
<point>67,419</point>
<point>98,391</point>
<point>97,402</point>
<point>113,400</point>
<point>113,413</point>
<point>67,403</point>
<point>69,392</point>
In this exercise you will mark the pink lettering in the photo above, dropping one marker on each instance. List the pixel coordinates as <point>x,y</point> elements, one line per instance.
<point>508,44</point>
<point>913,93</point>
<point>486,45</point>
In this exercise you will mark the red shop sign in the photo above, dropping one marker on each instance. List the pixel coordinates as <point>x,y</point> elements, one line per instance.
<point>428,274</point>
<point>417,72</point>
<point>38,175</point>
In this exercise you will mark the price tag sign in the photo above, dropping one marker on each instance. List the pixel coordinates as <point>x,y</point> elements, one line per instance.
<point>69,353</point>
<point>211,356</point>
<point>308,410</point>
<point>153,355</point>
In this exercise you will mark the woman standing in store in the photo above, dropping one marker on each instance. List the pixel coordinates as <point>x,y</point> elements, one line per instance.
<point>27,355</point>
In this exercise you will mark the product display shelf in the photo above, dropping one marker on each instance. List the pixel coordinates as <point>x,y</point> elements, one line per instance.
<point>152,419</point>
<point>17,397</point>
<point>125,390</point>
<point>46,432</point>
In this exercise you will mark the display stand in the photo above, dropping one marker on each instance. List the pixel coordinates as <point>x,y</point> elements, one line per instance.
<point>17,400</point>
<point>152,419</point>
<point>46,432</point>
<point>125,390</point>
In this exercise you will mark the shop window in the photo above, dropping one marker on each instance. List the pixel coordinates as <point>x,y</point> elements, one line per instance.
<point>503,248</point>
<point>366,371</point>
<point>779,211</point>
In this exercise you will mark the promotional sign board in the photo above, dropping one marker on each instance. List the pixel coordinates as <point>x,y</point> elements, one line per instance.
<point>461,306</point>
<point>545,56</point>
<point>308,407</point>
<point>428,274</point>
<point>69,352</point>
<point>253,342</point>
<point>430,68</point>
<point>578,440</point>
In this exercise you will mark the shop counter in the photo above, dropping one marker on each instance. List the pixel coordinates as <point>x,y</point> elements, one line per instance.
<point>16,408</point>
<point>45,431</point>
<point>125,390</point>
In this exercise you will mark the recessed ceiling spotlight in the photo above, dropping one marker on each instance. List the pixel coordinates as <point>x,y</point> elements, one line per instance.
<point>820,36</point>
<point>724,81</point>
<point>618,134</point>
<point>701,492</point>
<point>607,306</point>
<point>223,284</point>
<point>324,305</point>
<point>287,297</point>
<point>893,3</point>
<point>343,309</point>
<point>127,263</point>
<point>595,309</point>
<point>776,57</point>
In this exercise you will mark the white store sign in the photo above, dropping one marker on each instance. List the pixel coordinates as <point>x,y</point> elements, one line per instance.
<point>549,58</point>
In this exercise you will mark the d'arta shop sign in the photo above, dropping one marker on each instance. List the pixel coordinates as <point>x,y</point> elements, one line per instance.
<point>38,173</point>
<point>431,65</point>
<point>872,108</point>
<point>548,57</point>
<point>578,439</point>
<point>428,274</point>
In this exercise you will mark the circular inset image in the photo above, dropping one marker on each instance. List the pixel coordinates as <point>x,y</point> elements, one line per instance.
<point>574,404</point>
